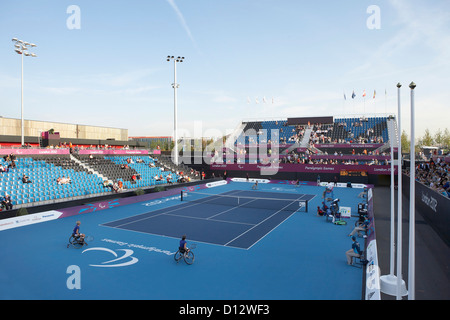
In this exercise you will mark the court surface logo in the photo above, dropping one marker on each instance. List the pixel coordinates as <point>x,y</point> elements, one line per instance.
<point>91,207</point>
<point>124,260</point>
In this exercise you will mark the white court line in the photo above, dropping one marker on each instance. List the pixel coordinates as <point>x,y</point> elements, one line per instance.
<point>179,207</point>
<point>207,219</point>
<point>262,222</point>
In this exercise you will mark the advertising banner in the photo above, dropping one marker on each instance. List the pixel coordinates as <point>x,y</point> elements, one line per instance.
<point>19,152</point>
<point>113,152</point>
<point>294,167</point>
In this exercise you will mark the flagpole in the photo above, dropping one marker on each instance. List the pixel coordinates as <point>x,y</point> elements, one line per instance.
<point>343,103</point>
<point>364,102</point>
<point>374,101</point>
<point>400,282</point>
<point>399,202</point>
<point>385,101</point>
<point>412,198</point>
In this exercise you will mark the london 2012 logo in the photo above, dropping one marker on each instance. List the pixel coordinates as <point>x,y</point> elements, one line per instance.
<point>126,259</point>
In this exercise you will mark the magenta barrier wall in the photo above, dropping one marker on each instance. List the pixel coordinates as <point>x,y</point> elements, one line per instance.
<point>348,145</point>
<point>292,167</point>
<point>113,152</point>
<point>317,156</point>
<point>34,151</point>
<point>350,157</point>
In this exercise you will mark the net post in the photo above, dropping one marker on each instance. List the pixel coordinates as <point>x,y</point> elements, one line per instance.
<point>181,197</point>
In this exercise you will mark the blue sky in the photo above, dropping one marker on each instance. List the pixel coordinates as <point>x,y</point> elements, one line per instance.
<point>303,54</point>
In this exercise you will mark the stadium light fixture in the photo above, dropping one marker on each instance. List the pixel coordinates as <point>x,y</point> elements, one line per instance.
<point>21,47</point>
<point>175,86</point>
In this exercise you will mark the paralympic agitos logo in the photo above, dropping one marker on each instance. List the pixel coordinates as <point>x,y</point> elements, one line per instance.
<point>126,259</point>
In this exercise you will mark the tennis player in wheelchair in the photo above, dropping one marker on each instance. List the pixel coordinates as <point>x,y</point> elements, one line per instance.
<point>76,233</point>
<point>183,246</point>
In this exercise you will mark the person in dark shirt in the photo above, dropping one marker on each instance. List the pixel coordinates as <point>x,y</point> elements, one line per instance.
<point>76,231</point>
<point>6,202</point>
<point>183,246</point>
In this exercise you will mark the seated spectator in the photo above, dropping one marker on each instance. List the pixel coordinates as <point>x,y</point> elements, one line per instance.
<point>63,180</point>
<point>362,227</point>
<point>25,179</point>
<point>3,169</point>
<point>320,212</point>
<point>115,187</point>
<point>107,183</point>
<point>355,251</point>
<point>6,202</point>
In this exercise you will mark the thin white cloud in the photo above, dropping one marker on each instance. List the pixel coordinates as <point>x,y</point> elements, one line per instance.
<point>421,26</point>
<point>182,21</point>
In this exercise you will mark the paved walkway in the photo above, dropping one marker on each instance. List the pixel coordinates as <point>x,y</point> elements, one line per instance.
<point>432,254</point>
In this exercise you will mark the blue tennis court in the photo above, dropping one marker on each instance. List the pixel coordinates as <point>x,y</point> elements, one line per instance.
<point>242,252</point>
<point>235,218</point>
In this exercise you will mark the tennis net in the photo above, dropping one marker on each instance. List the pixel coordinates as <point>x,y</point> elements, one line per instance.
<point>290,205</point>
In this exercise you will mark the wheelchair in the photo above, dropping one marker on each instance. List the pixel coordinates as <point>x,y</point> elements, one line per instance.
<point>188,256</point>
<point>77,242</point>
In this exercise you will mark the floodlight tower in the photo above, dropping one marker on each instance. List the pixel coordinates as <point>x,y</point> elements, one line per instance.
<point>21,47</point>
<point>175,86</point>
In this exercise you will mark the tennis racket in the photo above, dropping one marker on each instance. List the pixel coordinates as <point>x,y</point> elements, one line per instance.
<point>89,238</point>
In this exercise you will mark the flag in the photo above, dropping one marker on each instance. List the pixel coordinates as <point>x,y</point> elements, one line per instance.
<point>272,100</point>
<point>345,98</point>
<point>248,100</point>
<point>264,99</point>
<point>364,94</point>
<point>256,100</point>
<point>374,93</point>
<point>353,94</point>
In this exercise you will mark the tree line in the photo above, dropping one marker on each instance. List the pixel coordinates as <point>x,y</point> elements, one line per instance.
<point>440,139</point>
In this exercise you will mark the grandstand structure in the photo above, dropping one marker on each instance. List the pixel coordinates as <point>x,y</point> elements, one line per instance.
<point>64,162</point>
<point>355,149</point>
<point>56,175</point>
<point>346,149</point>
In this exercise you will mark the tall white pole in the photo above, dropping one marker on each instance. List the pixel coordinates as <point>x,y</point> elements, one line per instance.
<point>392,255</point>
<point>175,138</point>
<point>412,209</point>
<point>21,47</point>
<point>399,201</point>
<point>21,113</point>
